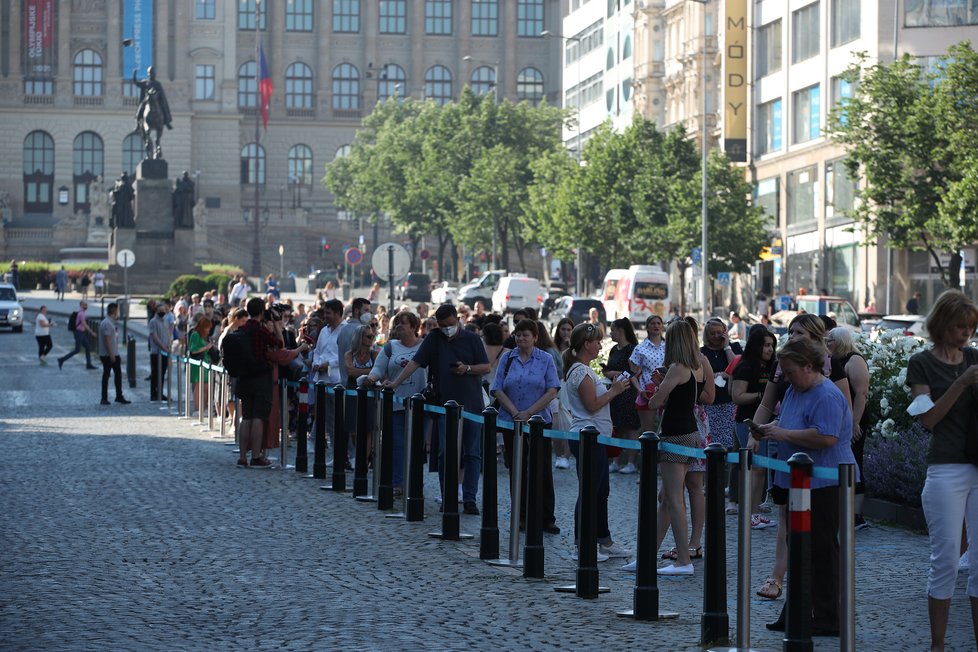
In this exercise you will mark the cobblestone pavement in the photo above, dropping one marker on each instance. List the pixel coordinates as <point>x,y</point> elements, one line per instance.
<point>126,528</point>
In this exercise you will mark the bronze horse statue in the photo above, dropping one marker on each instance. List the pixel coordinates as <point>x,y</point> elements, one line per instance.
<point>153,113</point>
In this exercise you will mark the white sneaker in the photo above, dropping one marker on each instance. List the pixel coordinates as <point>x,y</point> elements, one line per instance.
<point>562,463</point>
<point>676,570</point>
<point>601,556</point>
<point>964,563</point>
<point>631,566</point>
<point>758,522</point>
<point>613,467</point>
<point>628,469</point>
<point>614,550</point>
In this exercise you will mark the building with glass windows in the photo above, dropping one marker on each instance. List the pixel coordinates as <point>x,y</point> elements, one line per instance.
<point>68,103</point>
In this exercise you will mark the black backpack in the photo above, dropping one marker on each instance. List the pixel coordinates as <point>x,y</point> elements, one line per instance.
<point>73,321</point>
<point>238,356</point>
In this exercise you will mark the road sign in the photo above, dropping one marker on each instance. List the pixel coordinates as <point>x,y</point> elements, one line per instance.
<point>380,261</point>
<point>723,278</point>
<point>125,257</point>
<point>697,255</point>
<point>424,254</point>
<point>353,256</point>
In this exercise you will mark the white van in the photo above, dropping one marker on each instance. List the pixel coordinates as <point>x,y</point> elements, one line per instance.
<point>608,290</point>
<point>641,292</point>
<point>517,291</point>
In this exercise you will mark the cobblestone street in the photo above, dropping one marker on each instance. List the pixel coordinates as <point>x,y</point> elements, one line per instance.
<point>126,528</point>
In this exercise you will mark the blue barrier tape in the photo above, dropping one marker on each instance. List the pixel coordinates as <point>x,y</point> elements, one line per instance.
<point>774,464</point>
<point>561,434</point>
<point>620,443</point>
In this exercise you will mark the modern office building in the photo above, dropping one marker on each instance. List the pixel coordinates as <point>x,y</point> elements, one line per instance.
<point>67,104</point>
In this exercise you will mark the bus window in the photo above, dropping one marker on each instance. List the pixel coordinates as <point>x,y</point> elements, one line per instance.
<point>651,291</point>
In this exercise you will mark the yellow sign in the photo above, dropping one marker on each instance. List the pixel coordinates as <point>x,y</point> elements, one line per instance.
<point>735,103</point>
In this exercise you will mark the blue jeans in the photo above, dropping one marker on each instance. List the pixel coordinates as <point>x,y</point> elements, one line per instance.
<point>81,342</point>
<point>602,491</point>
<point>470,455</point>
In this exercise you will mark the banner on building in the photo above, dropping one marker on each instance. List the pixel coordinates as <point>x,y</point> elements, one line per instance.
<point>735,100</point>
<point>137,24</point>
<point>38,38</point>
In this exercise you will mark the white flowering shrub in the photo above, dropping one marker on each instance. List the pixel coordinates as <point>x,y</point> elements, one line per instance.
<point>887,354</point>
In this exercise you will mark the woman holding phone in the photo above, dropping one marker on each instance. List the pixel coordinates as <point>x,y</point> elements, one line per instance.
<point>624,417</point>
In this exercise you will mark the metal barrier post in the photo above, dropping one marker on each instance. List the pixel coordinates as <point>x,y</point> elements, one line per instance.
<point>414,482</point>
<point>847,557</point>
<point>376,405</point>
<point>714,623</point>
<point>180,373</point>
<point>360,459</point>
<point>301,427</point>
<point>284,423</point>
<point>223,402</point>
<point>319,452</point>
<point>489,532</point>
<point>197,394</point>
<point>131,360</point>
<point>187,394</point>
<point>798,605</point>
<point>449,490</point>
<point>340,439</point>
<point>155,378</point>
<point>210,394</point>
<point>515,491</point>
<point>385,491</point>
<point>533,549</point>
<point>168,371</point>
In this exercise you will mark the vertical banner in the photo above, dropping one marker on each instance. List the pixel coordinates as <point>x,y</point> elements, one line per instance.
<point>735,100</point>
<point>38,38</point>
<point>137,24</point>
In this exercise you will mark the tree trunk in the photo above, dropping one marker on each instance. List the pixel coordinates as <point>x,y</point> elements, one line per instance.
<point>681,267</point>
<point>442,243</point>
<point>503,246</point>
<point>520,249</point>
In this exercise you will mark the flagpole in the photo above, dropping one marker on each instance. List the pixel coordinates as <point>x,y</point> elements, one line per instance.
<point>256,237</point>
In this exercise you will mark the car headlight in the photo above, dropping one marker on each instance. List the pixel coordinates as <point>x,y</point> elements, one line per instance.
<point>15,312</point>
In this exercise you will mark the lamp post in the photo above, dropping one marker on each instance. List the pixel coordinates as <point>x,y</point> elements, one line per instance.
<point>705,278</point>
<point>256,233</point>
<point>495,96</point>
<point>580,154</point>
<point>281,262</point>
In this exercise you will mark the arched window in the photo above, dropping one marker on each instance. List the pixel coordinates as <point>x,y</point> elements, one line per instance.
<point>346,87</point>
<point>247,85</point>
<point>392,80</point>
<point>132,153</point>
<point>300,165</point>
<point>88,73</point>
<point>438,84</point>
<point>38,172</point>
<point>88,157</point>
<point>483,80</point>
<point>252,164</point>
<point>298,86</point>
<point>626,49</point>
<point>529,85</point>
<point>626,89</point>
<point>611,59</point>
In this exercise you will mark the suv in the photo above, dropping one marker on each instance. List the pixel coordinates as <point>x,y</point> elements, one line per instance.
<point>481,289</point>
<point>845,315</point>
<point>415,287</point>
<point>319,279</point>
<point>11,312</point>
<point>907,324</point>
<point>577,309</point>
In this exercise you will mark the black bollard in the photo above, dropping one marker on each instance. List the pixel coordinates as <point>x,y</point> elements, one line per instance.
<point>340,438</point>
<point>360,462</point>
<point>714,623</point>
<point>385,492</point>
<point>131,360</point>
<point>319,452</point>
<point>449,494</point>
<point>533,548</point>
<point>489,532</point>
<point>302,427</point>
<point>414,483</point>
<point>798,604</point>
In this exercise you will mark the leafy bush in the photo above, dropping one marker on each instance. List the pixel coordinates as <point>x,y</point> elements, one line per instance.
<point>222,268</point>
<point>887,355</point>
<point>188,284</point>
<point>217,282</point>
<point>31,273</point>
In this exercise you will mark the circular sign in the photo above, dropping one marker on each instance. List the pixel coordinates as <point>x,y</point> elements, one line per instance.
<point>353,256</point>
<point>424,254</point>
<point>381,259</point>
<point>125,258</point>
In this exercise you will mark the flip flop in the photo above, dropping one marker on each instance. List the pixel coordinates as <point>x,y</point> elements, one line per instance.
<point>770,590</point>
<point>696,553</point>
<point>672,554</point>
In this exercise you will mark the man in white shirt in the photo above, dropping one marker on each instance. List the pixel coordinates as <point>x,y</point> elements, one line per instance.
<point>239,292</point>
<point>326,361</point>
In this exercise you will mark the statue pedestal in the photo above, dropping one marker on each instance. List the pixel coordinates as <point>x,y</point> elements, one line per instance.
<point>153,168</point>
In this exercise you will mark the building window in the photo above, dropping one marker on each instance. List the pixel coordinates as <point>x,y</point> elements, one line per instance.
<point>626,89</point>
<point>483,80</point>
<point>529,17</point>
<point>298,86</point>
<point>252,164</point>
<point>804,33</point>
<point>346,15</point>
<point>346,87</point>
<point>393,17</point>
<point>584,93</point>
<point>392,82</point>
<point>485,17</point>
<point>840,189</point>
<point>940,13</point>
<point>589,38</point>
<point>769,127</point>
<point>132,153</point>
<point>805,112</point>
<point>204,9</point>
<point>298,16</point>
<point>88,158</point>
<point>300,165</point>
<point>529,85</point>
<point>769,49</point>
<point>203,81</point>
<point>841,90</point>
<point>438,17</point>
<point>766,196</point>
<point>246,14</point>
<point>88,73</point>
<point>38,86</point>
<point>626,49</point>
<point>248,85</point>
<point>438,84</point>
<point>801,195</point>
<point>845,21</point>
<point>38,172</point>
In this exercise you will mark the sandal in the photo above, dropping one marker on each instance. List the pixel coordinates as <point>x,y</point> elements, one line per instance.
<point>696,553</point>
<point>770,590</point>
<point>672,554</point>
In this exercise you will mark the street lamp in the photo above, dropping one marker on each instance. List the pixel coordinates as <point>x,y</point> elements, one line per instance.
<point>580,154</point>
<point>704,279</point>
<point>281,262</point>
<point>495,96</point>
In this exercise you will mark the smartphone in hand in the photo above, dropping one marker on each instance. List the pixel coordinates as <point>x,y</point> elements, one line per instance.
<point>625,375</point>
<point>753,427</point>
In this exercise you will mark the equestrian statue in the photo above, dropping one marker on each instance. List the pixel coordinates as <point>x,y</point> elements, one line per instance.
<point>153,113</point>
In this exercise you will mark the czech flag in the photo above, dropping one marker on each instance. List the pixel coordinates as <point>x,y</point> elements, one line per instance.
<point>264,85</point>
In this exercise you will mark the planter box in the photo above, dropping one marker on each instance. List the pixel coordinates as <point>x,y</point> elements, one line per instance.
<point>904,515</point>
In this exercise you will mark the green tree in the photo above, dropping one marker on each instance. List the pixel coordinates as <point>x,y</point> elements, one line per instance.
<point>911,135</point>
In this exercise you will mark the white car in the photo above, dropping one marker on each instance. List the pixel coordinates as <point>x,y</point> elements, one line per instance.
<point>909,324</point>
<point>444,293</point>
<point>11,312</point>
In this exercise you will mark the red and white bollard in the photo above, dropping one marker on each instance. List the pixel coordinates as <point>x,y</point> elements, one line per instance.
<point>798,609</point>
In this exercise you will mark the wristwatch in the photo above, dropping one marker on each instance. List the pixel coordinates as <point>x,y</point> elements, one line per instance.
<point>468,369</point>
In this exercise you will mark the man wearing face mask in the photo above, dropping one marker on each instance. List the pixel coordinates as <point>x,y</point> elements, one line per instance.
<point>326,361</point>
<point>360,314</point>
<point>159,343</point>
<point>456,361</point>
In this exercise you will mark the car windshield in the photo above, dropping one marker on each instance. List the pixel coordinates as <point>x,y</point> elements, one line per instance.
<point>7,294</point>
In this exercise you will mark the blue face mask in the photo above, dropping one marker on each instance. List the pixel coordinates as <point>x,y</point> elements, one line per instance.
<point>449,331</point>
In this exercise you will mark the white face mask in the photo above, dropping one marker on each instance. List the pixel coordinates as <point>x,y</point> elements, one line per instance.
<point>449,331</point>
<point>365,318</point>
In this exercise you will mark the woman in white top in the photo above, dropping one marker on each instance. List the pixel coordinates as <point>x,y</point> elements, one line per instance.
<point>42,333</point>
<point>588,401</point>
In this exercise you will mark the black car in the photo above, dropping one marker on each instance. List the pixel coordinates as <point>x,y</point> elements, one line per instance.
<point>556,292</point>
<point>577,309</point>
<point>319,279</point>
<point>415,287</point>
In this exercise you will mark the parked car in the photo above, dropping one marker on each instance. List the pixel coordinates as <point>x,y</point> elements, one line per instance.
<point>908,324</point>
<point>11,312</point>
<point>444,293</point>
<point>319,279</point>
<point>843,312</point>
<point>414,287</point>
<point>517,291</point>
<point>481,288</point>
<point>577,309</point>
<point>551,297</point>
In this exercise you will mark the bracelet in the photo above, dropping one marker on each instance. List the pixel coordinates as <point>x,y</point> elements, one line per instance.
<point>765,407</point>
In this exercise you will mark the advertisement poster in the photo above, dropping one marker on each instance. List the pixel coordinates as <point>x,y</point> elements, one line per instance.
<point>38,38</point>
<point>137,24</point>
